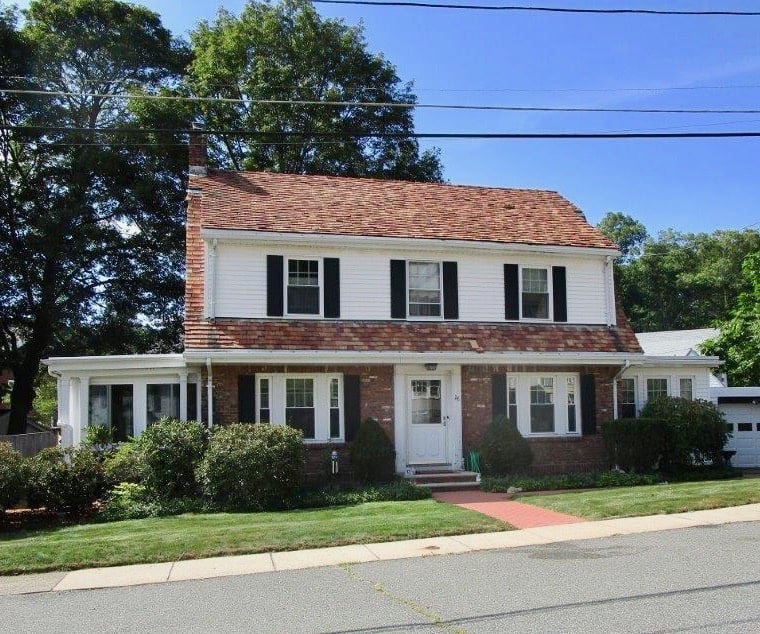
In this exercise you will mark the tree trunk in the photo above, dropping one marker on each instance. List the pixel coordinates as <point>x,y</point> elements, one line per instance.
<point>22,397</point>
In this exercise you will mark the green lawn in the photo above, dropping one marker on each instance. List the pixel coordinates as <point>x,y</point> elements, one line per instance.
<point>196,536</point>
<point>651,500</point>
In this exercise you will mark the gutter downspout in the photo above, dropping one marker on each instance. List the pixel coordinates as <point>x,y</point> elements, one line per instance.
<point>626,365</point>
<point>209,394</point>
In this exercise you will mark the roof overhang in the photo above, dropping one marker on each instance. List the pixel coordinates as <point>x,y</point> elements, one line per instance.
<point>374,242</point>
<point>117,362</point>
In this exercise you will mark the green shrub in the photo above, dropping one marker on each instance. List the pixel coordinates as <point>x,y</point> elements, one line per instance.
<point>373,457</point>
<point>98,435</point>
<point>697,431</point>
<point>617,479</point>
<point>503,449</point>
<point>12,476</point>
<point>125,464</point>
<point>635,444</point>
<point>131,501</point>
<point>172,450</point>
<point>398,491</point>
<point>253,467</point>
<point>569,481</point>
<point>64,479</point>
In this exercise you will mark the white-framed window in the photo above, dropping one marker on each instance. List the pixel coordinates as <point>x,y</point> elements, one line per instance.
<point>656,386</point>
<point>686,387</point>
<point>627,398</point>
<point>112,406</point>
<point>162,401</point>
<point>312,403</point>
<point>303,282</point>
<point>535,293</point>
<point>545,403</point>
<point>424,294</point>
<point>542,405</point>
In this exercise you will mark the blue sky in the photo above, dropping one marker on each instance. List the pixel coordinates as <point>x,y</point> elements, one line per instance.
<point>530,58</point>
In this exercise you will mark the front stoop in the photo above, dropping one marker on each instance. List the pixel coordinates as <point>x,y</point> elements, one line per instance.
<point>446,480</point>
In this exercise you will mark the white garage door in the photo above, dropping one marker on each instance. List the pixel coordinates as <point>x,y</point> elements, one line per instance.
<point>744,423</point>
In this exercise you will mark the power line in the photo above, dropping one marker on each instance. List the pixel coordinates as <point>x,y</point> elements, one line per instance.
<point>403,135</point>
<point>497,7</point>
<point>380,104</point>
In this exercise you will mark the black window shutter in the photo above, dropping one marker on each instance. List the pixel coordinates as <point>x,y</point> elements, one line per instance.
<point>246,398</point>
<point>498,395</point>
<point>511,292</point>
<point>352,413</point>
<point>398,289</point>
<point>559,286</point>
<point>450,291</point>
<point>332,287</point>
<point>588,404</point>
<point>274,285</point>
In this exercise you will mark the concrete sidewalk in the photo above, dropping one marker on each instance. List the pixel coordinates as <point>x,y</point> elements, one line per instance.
<point>291,560</point>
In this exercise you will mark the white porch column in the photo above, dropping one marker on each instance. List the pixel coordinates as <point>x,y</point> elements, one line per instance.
<point>84,403</point>
<point>74,432</point>
<point>63,388</point>
<point>183,395</point>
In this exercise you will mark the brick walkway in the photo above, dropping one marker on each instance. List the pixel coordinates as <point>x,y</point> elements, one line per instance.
<point>498,506</point>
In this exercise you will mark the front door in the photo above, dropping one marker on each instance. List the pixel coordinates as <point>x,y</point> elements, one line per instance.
<point>427,421</point>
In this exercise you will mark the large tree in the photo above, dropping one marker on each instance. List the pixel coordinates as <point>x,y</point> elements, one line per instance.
<point>739,341</point>
<point>92,222</point>
<point>286,51</point>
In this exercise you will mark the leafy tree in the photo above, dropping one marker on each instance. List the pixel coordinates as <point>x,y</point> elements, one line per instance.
<point>92,223</point>
<point>739,341</point>
<point>628,233</point>
<point>286,51</point>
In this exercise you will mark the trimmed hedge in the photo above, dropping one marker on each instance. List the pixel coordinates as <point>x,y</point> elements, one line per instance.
<point>12,476</point>
<point>635,444</point>
<point>253,467</point>
<point>503,449</point>
<point>171,450</point>
<point>569,481</point>
<point>69,479</point>
<point>373,457</point>
<point>398,491</point>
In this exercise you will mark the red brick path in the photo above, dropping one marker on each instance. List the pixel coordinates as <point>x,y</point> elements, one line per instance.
<point>497,505</point>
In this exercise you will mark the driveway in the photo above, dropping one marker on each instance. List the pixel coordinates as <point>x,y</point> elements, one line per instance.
<point>703,579</point>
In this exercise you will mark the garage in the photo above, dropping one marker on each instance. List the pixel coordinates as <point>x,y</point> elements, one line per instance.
<point>741,407</point>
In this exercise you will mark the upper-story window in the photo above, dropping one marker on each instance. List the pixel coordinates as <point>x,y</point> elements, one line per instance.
<point>424,289</point>
<point>535,293</point>
<point>303,287</point>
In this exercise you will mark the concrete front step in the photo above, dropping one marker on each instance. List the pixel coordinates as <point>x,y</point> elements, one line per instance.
<point>445,476</point>
<point>449,486</point>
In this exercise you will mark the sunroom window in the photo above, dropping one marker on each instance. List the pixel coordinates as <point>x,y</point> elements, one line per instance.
<point>656,387</point>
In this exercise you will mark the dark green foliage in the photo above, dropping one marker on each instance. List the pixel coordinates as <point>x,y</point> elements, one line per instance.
<point>12,476</point>
<point>397,491</point>
<point>696,431</point>
<point>130,501</point>
<point>635,444</point>
<point>64,479</point>
<point>126,464</point>
<point>503,449</point>
<point>98,435</point>
<point>373,457</point>
<point>253,467</point>
<point>569,481</point>
<point>171,451</point>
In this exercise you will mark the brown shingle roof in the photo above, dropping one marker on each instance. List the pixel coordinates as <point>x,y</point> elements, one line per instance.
<point>264,201</point>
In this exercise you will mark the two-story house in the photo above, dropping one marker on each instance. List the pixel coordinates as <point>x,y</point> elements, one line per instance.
<point>319,301</point>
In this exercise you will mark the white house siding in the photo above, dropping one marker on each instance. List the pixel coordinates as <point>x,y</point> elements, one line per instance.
<point>239,285</point>
<point>700,380</point>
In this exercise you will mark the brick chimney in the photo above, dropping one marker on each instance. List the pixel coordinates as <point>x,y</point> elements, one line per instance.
<point>197,153</point>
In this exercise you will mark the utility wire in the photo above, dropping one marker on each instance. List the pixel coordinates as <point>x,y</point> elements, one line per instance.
<point>380,104</point>
<point>502,7</point>
<point>403,135</point>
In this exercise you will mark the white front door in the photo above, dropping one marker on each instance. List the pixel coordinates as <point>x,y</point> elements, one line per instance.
<point>427,421</point>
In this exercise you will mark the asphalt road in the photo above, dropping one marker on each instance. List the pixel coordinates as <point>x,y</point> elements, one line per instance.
<point>692,580</point>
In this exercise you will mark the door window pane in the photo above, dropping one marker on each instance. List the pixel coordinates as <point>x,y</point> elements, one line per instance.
<point>424,289</point>
<point>542,405</point>
<point>299,405</point>
<point>627,397</point>
<point>426,402</point>
<point>535,293</point>
<point>303,287</point>
<point>163,401</point>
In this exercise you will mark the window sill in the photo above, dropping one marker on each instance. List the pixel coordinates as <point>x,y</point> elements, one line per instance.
<point>312,442</point>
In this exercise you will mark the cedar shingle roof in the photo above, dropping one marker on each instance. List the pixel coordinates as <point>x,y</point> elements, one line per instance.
<point>265,201</point>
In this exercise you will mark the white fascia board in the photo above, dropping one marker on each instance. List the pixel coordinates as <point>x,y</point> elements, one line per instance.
<point>374,242</point>
<point>650,360</point>
<point>735,391</point>
<point>332,357</point>
<point>125,362</point>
